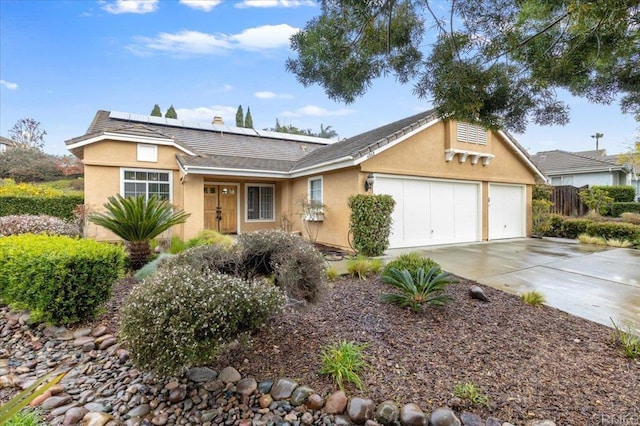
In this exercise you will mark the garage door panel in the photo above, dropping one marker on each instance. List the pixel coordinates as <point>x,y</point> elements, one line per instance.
<point>416,212</point>
<point>466,213</point>
<point>506,211</point>
<point>395,188</point>
<point>442,208</point>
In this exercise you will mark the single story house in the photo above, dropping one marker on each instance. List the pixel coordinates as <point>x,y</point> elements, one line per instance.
<point>452,182</point>
<point>6,143</point>
<point>586,168</point>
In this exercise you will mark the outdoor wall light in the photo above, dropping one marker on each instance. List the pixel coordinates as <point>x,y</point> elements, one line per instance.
<point>368,184</point>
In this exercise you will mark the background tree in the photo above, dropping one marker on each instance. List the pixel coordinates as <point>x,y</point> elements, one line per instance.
<point>327,132</point>
<point>239,117</point>
<point>26,133</point>
<point>69,165</point>
<point>155,112</point>
<point>496,61</point>
<point>25,164</point>
<point>171,113</point>
<point>248,120</point>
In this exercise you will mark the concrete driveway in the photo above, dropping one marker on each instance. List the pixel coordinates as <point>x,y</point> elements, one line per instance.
<point>594,282</point>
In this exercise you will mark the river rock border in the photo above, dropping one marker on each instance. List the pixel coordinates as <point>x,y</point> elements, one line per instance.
<point>102,387</point>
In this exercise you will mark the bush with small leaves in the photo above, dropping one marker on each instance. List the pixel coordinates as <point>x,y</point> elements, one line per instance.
<point>179,318</point>
<point>607,230</point>
<point>297,266</point>
<point>411,262</point>
<point>571,228</point>
<point>32,224</point>
<point>226,260</point>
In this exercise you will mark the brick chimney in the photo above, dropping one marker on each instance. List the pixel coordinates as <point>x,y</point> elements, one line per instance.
<point>218,120</point>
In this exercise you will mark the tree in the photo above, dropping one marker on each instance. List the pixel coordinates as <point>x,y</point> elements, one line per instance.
<point>239,117</point>
<point>25,164</point>
<point>137,221</point>
<point>631,157</point>
<point>27,133</point>
<point>171,113</point>
<point>248,120</point>
<point>495,61</point>
<point>155,112</point>
<point>69,165</point>
<point>327,132</point>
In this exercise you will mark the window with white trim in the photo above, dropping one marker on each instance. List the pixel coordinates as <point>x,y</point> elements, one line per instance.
<point>471,133</point>
<point>146,182</point>
<point>147,152</point>
<point>260,202</point>
<point>315,191</point>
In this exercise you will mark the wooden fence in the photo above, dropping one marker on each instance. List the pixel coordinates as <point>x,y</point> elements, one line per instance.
<point>566,201</point>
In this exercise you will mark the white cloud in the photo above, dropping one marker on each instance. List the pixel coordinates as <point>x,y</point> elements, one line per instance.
<point>131,6</point>
<point>265,37</point>
<point>9,85</point>
<point>206,5</point>
<point>197,43</point>
<point>206,114</point>
<point>227,87</point>
<point>274,3</point>
<point>316,111</point>
<point>271,95</point>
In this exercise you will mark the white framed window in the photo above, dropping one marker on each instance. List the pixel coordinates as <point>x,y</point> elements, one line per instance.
<point>471,133</point>
<point>260,203</point>
<point>134,182</point>
<point>315,191</point>
<point>147,152</point>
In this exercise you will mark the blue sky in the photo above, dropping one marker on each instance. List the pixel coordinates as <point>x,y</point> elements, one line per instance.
<point>61,61</point>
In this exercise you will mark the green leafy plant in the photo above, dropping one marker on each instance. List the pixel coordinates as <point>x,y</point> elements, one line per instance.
<point>332,273</point>
<point>571,228</point>
<point>472,393</point>
<point>344,362</point>
<point>137,221</point>
<point>425,289</point>
<point>209,236</point>
<point>626,231</point>
<point>411,262</point>
<point>533,298</point>
<point>597,200</point>
<point>179,317</point>
<point>362,267</point>
<point>619,209</point>
<point>12,410</point>
<point>370,223</point>
<point>618,193</point>
<point>26,417</point>
<point>630,343</point>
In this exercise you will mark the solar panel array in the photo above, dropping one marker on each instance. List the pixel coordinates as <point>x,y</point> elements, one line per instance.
<point>141,118</point>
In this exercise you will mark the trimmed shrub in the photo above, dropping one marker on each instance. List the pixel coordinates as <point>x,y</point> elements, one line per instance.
<point>411,262</point>
<point>62,206</point>
<point>60,279</point>
<point>614,230</point>
<point>370,223</point>
<point>296,265</point>
<point>619,208</point>
<point>620,194</point>
<point>42,224</point>
<point>571,228</point>
<point>179,317</point>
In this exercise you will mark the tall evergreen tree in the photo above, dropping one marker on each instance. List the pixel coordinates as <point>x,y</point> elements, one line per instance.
<point>248,120</point>
<point>239,117</point>
<point>171,113</point>
<point>155,112</point>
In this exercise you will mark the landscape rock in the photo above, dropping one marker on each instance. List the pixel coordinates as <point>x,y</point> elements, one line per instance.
<point>412,415</point>
<point>74,415</point>
<point>360,410</point>
<point>476,292</point>
<point>300,395</point>
<point>315,401</point>
<point>541,423</point>
<point>336,403</point>
<point>96,419</point>
<point>341,420</point>
<point>387,413</point>
<point>246,387</point>
<point>177,395</point>
<point>55,401</point>
<point>283,388</point>
<point>229,375</point>
<point>201,374</point>
<point>471,419</point>
<point>444,416</point>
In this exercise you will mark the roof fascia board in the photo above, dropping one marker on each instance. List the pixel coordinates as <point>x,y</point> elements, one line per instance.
<point>233,172</point>
<point>129,138</point>
<point>395,142</point>
<point>341,162</point>
<point>522,155</point>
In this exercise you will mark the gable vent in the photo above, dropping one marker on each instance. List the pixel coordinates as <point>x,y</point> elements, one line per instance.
<point>471,133</point>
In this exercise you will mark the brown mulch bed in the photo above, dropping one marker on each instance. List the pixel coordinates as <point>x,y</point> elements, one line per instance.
<point>532,363</point>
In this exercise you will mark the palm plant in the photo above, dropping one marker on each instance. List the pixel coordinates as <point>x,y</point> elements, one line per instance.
<point>425,288</point>
<point>137,221</point>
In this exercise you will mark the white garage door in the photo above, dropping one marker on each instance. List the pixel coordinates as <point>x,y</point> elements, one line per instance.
<point>507,215</point>
<point>431,212</point>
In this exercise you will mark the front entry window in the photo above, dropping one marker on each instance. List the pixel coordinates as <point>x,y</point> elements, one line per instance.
<point>260,203</point>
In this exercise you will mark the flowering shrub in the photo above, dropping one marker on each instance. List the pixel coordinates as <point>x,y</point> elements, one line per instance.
<point>296,265</point>
<point>9,187</point>
<point>31,224</point>
<point>178,317</point>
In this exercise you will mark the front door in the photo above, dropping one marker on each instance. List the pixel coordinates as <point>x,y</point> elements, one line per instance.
<point>220,208</point>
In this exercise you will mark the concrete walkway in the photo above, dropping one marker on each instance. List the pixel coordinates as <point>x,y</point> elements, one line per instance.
<point>594,282</point>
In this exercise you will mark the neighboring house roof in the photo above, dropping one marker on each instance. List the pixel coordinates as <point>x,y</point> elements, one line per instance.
<point>209,148</point>
<point>7,141</point>
<point>560,162</point>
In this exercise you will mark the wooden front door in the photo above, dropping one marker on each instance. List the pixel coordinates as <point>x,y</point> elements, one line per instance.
<point>220,208</point>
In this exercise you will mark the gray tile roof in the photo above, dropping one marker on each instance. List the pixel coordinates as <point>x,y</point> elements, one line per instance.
<point>234,162</point>
<point>560,162</point>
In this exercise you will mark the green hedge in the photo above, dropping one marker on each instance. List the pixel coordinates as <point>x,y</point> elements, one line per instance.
<point>607,230</point>
<point>618,208</point>
<point>571,228</point>
<point>59,279</point>
<point>620,194</point>
<point>61,207</point>
<point>370,223</point>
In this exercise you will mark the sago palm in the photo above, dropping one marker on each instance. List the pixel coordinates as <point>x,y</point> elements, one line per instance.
<point>425,288</point>
<point>137,221</point>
